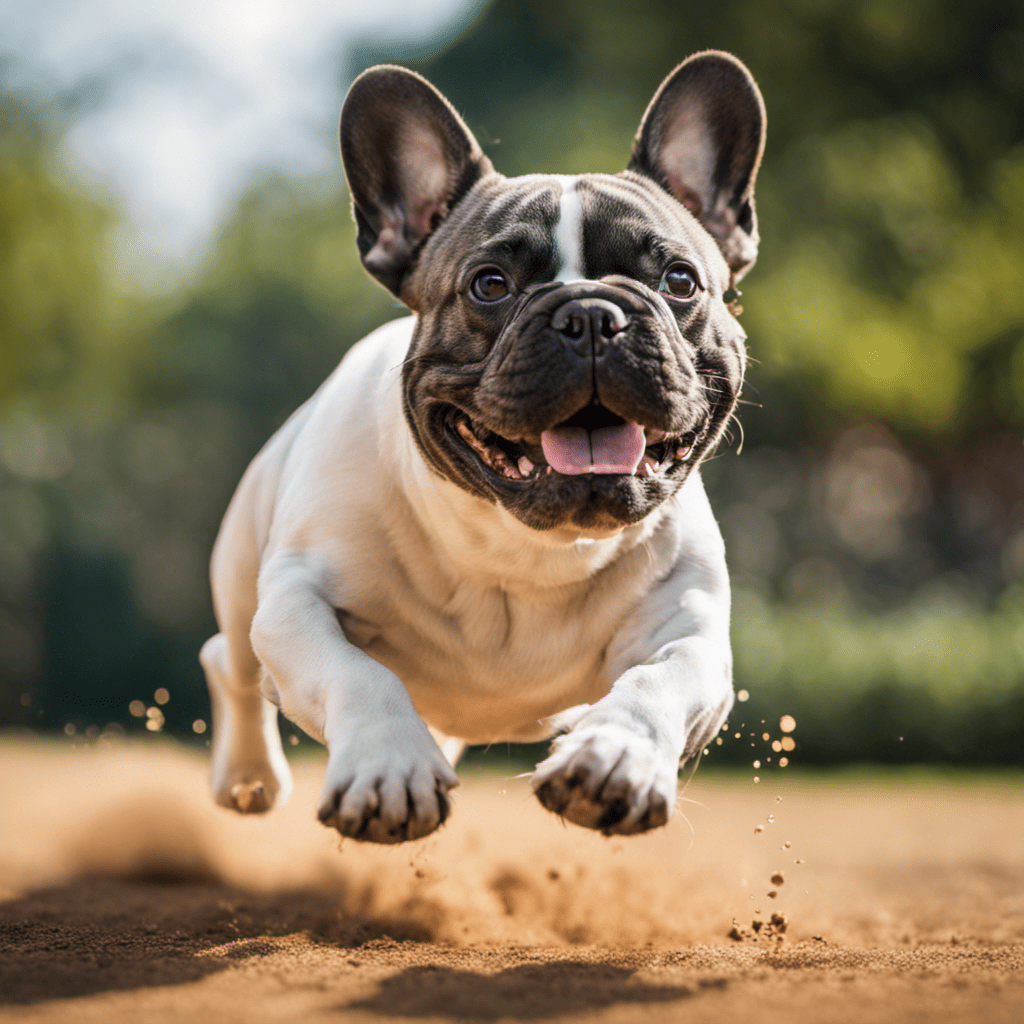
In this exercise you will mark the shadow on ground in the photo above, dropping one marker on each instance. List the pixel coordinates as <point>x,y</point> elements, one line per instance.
<point>527,991</point>
<point>101,934</point>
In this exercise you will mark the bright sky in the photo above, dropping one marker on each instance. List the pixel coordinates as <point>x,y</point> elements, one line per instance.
<point>197,95</point>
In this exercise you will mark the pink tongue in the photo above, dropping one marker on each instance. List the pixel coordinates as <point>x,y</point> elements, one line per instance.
<point>573,450</point>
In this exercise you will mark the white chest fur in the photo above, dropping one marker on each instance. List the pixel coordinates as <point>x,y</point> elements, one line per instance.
<point>491,626</point>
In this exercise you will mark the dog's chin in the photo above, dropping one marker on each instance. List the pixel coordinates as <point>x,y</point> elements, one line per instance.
<point>516,475</point>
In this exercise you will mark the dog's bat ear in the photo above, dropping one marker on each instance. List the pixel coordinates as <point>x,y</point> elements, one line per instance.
<point>701,139</point>
<point>408,159</point>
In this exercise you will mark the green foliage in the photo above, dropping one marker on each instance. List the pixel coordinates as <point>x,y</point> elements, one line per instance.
<point>932,681</point>
<point>61,317</point>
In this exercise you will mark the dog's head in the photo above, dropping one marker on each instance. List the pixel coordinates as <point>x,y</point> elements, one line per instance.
<point>576,355</point>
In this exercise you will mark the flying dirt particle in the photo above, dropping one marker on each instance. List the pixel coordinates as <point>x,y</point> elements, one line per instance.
<point>69,729</point>
<point>162,695</point>
<point>765,736</point>
<point>735,933</point>
<point>778,799</point>
<point>553,875</point>
<point>799,860</point>
<point>778,878</point>
<point>293,740</point>
<point>420,873</point>
<point>758,829</point>
<point>706,751</point>
<point>743,695</point>
<point>737,735</point>
<point>502,792</point>
<point>771,818</point>
<point>777,746</point>
<point>26,699</point>
<point>779,921</point>
<point>783,761</point>
<point>757,764</point>
<point>756,925</point>
<point>756,779</point>
<point>786,845</point>
<point>901,739</point>
<point>771,894</point>
<point>137,709</point>
<point>718,741</point>
<point>199,726</point>
<point>787,743</point>
<point>787,723</point>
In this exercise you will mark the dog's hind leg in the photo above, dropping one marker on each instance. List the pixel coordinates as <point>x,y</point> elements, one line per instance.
<point>249,772</point>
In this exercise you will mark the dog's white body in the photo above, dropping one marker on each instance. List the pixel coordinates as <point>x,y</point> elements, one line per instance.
<point>456,614</point>
<point>489,523</point>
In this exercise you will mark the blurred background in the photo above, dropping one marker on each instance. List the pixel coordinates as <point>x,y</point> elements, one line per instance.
<point>178,272</point>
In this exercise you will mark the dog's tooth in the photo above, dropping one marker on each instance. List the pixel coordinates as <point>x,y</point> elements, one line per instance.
<point>526,467</point>
<point>647,467</point>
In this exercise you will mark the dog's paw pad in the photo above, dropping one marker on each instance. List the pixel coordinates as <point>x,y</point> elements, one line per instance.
<point>607,779</point>
<point>250,798</point>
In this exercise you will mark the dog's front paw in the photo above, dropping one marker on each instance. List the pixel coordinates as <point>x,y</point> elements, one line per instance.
<point>607,777</point>
<point>387,786</point>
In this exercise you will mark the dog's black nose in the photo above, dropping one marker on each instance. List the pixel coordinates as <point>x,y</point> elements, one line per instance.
<point>588,325</point>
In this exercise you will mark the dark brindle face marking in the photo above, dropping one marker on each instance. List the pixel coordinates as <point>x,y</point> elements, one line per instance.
<point>574,358</point>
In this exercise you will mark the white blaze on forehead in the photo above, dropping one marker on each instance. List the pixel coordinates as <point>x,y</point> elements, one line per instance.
<point>569,233</point>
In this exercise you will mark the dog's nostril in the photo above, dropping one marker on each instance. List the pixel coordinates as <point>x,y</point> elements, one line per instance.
<point>589,319</point>
<point>610,327</point>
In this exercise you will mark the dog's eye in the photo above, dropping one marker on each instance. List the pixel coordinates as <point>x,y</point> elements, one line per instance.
<point>679,281</point>
<point>489,285</point>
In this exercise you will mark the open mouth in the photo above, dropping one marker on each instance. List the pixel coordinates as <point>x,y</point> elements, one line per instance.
<point>592,441</point>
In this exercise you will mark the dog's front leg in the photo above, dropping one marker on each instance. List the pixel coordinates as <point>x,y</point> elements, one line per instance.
<point>387,780</point>
<point>616,769</point>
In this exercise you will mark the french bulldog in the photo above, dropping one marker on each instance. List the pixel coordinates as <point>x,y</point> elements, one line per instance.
<point>488,524</point>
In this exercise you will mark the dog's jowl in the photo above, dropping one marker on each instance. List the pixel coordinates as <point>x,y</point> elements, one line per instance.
<point>489,523</point>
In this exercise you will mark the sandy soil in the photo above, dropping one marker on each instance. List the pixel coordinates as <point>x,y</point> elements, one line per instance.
<point>128,897</point>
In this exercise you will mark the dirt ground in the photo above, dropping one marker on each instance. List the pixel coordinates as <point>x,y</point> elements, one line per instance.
<point>126,896</point>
